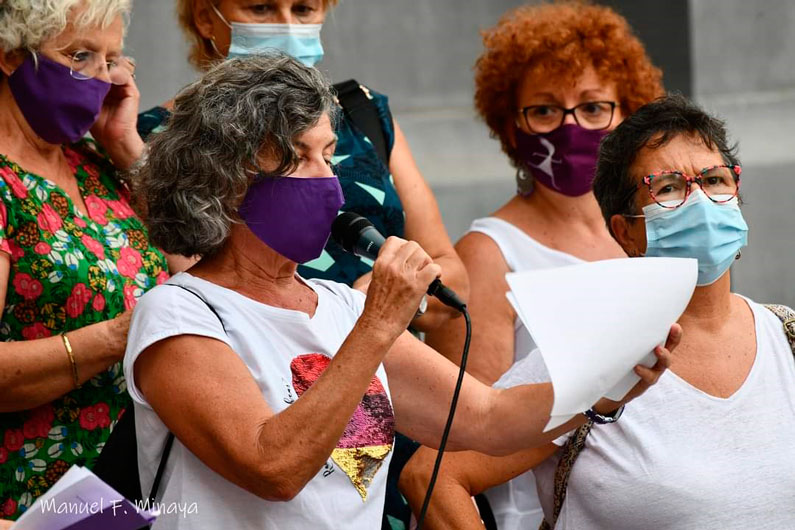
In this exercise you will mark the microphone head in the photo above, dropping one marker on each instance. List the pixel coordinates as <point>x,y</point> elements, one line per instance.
<point>347,229</point>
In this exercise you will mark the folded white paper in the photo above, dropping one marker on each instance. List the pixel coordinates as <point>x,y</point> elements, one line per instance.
<point>593,322</point>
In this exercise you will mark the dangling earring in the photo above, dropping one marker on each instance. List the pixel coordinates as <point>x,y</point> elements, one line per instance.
<point>739,255</point>
<point>524,183</point>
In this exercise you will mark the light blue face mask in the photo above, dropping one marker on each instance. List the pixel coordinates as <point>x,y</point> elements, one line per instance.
<point>712,233</point>
<point>301,41</point>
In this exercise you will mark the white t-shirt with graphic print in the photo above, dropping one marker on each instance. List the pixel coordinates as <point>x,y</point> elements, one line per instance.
<point>285,351</point>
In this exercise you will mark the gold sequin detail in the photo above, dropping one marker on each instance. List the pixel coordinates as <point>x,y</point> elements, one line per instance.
<point>361,464</point>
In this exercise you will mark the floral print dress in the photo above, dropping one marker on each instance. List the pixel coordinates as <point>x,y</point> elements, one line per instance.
<point>68,270</point>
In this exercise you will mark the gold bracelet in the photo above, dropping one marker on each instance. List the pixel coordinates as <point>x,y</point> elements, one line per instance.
<point>71,355</point>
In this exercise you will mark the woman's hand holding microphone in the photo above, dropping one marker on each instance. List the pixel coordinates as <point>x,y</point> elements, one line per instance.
<point>401,276</point>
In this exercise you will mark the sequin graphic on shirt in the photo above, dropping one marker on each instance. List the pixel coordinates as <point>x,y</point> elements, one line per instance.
<point>367,439</point>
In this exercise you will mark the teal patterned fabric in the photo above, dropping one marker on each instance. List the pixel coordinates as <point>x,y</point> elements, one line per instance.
<point>366,183</point>
<point>152,121</point>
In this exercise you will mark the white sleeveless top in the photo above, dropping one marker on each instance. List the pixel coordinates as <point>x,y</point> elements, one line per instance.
<point>521,253</point>
<point>515,503</point>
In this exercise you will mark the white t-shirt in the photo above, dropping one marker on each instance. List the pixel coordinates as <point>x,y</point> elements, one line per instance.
<point>515,503</point>
<point>285,351</point>
<point>682,459</point>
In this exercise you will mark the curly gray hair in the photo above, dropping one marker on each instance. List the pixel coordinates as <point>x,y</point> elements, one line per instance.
<point>26,24</point>
<point>199,168</point>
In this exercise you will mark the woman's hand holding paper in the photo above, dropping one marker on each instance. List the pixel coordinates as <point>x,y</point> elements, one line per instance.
<point>648,376</point>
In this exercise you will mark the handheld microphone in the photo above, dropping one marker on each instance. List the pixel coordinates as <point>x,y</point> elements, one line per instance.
<point>357,235</point>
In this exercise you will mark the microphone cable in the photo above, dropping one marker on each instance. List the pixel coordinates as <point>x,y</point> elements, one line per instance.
<point>450,416</point>
<point>357,235</point>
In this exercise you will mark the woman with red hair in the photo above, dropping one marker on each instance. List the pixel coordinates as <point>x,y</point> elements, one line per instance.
<point>552,81</point>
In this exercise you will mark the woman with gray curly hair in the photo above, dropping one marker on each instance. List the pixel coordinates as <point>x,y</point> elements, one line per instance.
<point>284,393</point>
<point>73,255</point>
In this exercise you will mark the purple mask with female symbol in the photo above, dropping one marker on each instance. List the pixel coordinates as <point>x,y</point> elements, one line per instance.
<point>293,215</point>
<point>563,160</point>
<point>58,107</point>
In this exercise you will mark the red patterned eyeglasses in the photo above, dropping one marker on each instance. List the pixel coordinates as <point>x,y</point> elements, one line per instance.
<point>671,188</point>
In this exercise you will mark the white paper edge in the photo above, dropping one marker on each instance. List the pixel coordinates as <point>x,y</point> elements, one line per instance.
<point>618,392</point>
<point>557,421</point>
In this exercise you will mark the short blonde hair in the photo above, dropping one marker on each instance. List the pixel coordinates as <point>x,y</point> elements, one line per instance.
<point>201,49</point>
<point>26,24</point>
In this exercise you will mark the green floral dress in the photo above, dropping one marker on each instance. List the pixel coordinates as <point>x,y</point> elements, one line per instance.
<point>68,270</point>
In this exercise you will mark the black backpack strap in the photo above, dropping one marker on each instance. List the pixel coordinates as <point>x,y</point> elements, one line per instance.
<point>161,468</point>
<point>200,297</point>
<point>571,451</point>
<point>787,317</point>
<point>358,105</point>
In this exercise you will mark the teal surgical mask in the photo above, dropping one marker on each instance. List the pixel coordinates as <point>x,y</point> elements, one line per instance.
<point>712,233</point>
<point>301,41</point>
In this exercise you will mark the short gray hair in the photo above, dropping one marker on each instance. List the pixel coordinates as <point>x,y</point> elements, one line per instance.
<point>26,24</point>
<point>199,168</point>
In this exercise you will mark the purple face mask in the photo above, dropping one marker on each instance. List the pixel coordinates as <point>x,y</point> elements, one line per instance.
<point>563,160</point>
<point>293,215</point>
<point>58,107</point>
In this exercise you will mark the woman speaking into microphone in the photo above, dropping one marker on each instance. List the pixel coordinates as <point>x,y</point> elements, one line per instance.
<point>284,393</point>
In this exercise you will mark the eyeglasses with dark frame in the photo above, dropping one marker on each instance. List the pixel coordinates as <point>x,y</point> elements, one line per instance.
<point>592,115</point>
<point>671,188</point>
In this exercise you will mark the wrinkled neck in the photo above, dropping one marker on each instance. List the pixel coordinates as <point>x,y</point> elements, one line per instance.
<point>710,306</point>
<point>246,263</point>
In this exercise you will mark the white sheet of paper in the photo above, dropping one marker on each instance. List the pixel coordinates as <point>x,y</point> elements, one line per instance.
<point>593,322</point>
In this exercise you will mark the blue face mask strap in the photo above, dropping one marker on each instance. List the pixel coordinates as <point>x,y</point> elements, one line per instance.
<point>212,38</point>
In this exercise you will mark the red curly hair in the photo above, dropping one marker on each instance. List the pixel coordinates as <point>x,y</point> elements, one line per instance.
<point>559,40</point>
